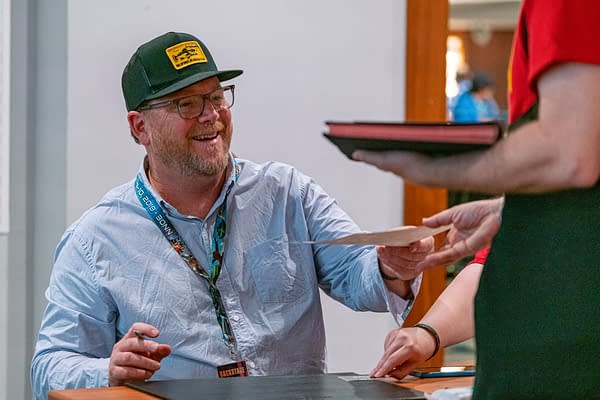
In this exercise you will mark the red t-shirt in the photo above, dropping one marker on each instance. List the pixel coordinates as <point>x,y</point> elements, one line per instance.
<point>549,40</point>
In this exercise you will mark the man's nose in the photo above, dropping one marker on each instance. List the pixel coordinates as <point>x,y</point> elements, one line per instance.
<point>209,113</point>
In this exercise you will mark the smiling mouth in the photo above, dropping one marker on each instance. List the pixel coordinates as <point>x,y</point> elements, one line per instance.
<point>202,138</point>
<point>218,127</point>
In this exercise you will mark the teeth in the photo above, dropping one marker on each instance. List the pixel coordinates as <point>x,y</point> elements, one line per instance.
<point>206,137</point>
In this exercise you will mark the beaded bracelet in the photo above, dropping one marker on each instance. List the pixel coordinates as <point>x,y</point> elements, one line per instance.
<point>435,336</point>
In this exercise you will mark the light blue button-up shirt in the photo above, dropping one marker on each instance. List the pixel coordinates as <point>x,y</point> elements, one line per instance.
<point>114,267</point>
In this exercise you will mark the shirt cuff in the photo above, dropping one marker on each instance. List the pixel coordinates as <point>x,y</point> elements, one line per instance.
<point>398,306</point>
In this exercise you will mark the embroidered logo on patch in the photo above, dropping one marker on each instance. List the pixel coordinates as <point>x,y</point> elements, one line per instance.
<point>185,54</point>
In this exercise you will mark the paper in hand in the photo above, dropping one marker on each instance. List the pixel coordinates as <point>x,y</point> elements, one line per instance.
<point>401,237</point>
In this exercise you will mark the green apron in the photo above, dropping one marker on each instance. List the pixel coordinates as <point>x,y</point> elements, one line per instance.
<point>537,310</point>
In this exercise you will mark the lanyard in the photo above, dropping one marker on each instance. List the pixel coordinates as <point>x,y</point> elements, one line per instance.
<point>163,223</point>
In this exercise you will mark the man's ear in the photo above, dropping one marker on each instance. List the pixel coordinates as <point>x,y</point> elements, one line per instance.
<point>137,127</point>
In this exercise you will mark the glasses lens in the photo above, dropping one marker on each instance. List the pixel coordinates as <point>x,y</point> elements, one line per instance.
<point>222,98</point>
<point>193,106</point>
<point>190,107</point>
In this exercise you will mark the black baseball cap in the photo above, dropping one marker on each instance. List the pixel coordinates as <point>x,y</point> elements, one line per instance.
<point>166,64</point>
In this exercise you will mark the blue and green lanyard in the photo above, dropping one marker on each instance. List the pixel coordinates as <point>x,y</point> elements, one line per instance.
<point>163,223</point>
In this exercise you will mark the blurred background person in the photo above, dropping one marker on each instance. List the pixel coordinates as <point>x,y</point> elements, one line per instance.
<point>477,104</point>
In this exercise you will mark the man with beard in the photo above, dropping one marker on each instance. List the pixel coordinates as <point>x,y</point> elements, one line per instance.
<point>196,268</point>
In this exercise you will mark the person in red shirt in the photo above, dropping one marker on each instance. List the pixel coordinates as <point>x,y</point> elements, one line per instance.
<point>536,310</point>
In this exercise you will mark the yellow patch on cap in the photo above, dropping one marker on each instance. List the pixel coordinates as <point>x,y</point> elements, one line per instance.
<point>185,54</point>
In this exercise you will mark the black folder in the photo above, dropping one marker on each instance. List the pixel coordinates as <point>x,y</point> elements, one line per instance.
<point>349,145</point>
<point>315,387</point>
<point>432,138</point>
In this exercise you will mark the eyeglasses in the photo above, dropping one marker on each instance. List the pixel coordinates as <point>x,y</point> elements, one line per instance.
<point>191,107</point>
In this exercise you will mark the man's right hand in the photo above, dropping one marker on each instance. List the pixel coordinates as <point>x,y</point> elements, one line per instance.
<point>136,358</point>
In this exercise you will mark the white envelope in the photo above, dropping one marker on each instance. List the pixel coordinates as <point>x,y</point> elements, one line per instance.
<point>401,237</point>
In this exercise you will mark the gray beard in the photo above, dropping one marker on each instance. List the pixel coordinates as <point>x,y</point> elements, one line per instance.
<point>180,157</point>
<point>193,165</point>
<point>189,164</point>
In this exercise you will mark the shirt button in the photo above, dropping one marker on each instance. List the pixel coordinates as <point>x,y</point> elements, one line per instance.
<point>236,318</point>
<point>251,364</point>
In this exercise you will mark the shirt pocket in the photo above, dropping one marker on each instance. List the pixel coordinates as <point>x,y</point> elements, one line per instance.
<point>280,269</point>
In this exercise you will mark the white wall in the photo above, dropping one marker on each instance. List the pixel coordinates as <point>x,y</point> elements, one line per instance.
<point>305,62</point>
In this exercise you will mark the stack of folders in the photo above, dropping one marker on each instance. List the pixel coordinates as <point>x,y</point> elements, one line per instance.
<point>431,138</point>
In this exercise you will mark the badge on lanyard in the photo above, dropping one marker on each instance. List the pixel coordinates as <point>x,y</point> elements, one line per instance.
<point>234,369</point>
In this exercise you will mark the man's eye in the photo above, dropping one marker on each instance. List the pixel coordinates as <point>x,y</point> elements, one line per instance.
<point>189,103</point>
<point>217,97</point>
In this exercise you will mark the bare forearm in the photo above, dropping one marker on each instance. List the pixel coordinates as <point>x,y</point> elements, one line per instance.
<point>452,313</point>
<point>559,150</point>
<point>511,167</point>
<point>451,316</point>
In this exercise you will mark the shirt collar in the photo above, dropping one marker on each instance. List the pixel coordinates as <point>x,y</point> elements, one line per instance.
<point>172,211</point>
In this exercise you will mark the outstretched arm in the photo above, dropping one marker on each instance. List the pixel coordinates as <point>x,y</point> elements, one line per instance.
<point>451,316</point>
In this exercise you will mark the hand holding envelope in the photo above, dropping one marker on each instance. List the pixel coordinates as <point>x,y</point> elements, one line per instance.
<point>391,257</point>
